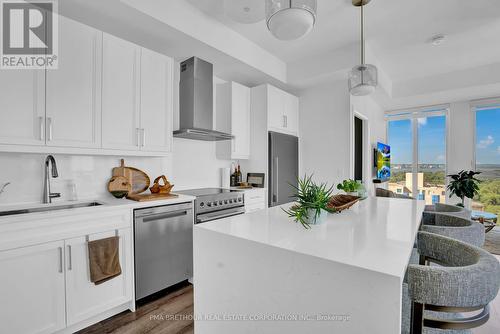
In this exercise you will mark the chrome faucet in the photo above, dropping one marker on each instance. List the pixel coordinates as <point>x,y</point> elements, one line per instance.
<point>47,195</point>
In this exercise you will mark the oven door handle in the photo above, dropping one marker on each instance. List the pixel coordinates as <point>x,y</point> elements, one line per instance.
<point>203,219</point>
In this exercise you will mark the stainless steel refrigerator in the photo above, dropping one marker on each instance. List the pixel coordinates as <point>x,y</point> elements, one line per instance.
<point>283,167</point>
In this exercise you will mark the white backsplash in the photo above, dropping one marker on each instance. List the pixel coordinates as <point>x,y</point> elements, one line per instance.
<point>192,165</point>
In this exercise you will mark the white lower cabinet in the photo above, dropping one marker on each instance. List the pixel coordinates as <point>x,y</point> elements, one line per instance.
<point>84,299</point>
<point>46,288</point>
<point>255,199</point>
<point>32,289</point>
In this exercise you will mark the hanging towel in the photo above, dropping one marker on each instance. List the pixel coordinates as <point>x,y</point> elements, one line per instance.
<point>104,259</point>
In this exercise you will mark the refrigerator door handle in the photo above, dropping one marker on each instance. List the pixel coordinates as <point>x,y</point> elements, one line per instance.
<point>276,180</point>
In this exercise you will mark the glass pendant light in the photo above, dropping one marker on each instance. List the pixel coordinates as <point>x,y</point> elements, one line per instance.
<point>363,79</point>
<point>290,19</point>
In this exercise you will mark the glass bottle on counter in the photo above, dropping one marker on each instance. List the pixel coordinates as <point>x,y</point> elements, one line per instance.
<point>233,180</point>
<point>239,177</point>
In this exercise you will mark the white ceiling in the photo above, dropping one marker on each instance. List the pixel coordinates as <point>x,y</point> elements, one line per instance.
<point>398,32</point>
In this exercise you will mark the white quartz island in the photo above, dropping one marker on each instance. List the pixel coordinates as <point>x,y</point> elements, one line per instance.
<point>263,273</point>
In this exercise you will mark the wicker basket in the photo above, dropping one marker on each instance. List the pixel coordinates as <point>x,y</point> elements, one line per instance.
<point>339,203</point>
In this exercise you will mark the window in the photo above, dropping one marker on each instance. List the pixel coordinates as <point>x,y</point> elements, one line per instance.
<point>432,157</point>
<point>488,158</point>
<point>418,148</point>
<point>400,140</point>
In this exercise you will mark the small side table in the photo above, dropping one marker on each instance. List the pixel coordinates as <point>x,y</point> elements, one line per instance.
<point>488,219</point>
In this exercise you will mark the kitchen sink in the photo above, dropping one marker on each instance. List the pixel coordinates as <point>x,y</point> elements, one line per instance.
<point>48,208</point>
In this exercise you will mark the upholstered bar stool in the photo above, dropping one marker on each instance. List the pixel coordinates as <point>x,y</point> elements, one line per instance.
<point>456,227</point>
<point>380,192</point>
<point>451,210</point>
<point>435,296</point>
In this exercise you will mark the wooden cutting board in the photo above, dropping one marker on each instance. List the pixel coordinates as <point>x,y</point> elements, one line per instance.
<point>138,179</point>
<point>151,197</point>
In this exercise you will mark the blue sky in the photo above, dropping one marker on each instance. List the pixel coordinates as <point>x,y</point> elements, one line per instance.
<point>432,134</point>
<point>488,136</point>
<point>432,140</point>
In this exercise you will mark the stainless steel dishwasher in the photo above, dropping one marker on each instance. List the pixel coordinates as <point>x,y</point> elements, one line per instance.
<point>163,238</point>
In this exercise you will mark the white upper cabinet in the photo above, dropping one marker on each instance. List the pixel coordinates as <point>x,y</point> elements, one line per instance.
<point>22,107</point>
<point>108,96</point>
<point>73,92</point>
<point>292,114</point>
<point>233,116</point>
<point>32,289</point>
<point>156,101</point>
<point>282,111</point>
<point>275,108</point>
<point>120,87</point>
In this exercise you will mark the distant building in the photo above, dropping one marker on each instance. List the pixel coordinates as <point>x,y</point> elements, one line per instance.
<point>431,194</point>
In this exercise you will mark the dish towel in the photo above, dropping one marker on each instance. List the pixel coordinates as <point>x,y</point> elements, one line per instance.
<point>104,259</point>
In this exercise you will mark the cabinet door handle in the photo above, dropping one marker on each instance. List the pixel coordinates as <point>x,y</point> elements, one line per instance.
<point>49,125</point>
<point>138,133</point>
<point>143,137</point>
<point>60,259</point>
<point>42,127</point>
<point>70,258</point>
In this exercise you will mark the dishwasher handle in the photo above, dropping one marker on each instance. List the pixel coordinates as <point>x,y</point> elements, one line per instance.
<point>166,215</point>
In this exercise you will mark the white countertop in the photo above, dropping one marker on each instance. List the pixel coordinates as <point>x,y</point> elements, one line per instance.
<point>108,202</point>
<point>377,234</point>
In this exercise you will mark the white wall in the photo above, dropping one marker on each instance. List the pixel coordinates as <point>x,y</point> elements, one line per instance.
<point>326,113</point>
<point>324,128</point>
<point>373,115</point>
<point>460,150</point>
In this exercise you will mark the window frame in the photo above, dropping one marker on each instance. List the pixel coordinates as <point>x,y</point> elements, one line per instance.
<point>475,107</point>
<point>413,114</point>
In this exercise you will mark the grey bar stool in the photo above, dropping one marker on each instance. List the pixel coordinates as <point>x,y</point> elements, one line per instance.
<point>456,227</point>
<point>453,210</point>
<point>435,296</point>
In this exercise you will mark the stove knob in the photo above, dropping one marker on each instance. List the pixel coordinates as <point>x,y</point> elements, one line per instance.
<point>239,199</point>
<point>202,204</point>
<point>220,202</point>
<point>209,204</point>
<point>226,201</point>
<point>214,203</point>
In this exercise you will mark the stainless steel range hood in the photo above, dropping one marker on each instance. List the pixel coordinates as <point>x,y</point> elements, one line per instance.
<point>196,102</point>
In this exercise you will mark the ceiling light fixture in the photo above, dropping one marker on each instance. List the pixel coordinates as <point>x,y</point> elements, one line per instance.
<point>363,79</point>
<point>290,19</point>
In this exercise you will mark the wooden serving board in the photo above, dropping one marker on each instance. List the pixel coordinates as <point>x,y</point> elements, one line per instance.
<point>139,180</point>
<point>151,197</point>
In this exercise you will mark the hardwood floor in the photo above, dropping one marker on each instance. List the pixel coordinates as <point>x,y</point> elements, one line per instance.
<point>152,317</point>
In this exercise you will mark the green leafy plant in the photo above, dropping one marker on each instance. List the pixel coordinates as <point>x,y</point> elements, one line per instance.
<point>463,184</point>
<point>349,186</point>
<point>311,199</point>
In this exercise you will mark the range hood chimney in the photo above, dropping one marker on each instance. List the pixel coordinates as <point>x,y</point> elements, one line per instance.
<point>196,102</point>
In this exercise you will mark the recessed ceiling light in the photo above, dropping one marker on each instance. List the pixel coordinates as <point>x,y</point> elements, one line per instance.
<point>245,11</point>
<point>437,39</point>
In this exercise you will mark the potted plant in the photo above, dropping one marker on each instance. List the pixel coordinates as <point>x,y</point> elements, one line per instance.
<point>312,201</point>
<point>463,184</point>
<point>350,187</point>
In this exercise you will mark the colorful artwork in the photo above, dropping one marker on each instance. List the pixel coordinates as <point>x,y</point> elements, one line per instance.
<point>383,161</point>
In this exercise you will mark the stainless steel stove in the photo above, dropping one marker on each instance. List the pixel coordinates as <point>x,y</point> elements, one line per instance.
<point>216,203</point>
